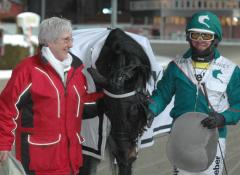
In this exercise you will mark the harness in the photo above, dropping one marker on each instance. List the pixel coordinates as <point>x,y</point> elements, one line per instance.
<point>129,94</point>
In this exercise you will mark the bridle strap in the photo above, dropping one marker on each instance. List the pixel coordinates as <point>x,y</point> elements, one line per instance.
<point>120,95</point>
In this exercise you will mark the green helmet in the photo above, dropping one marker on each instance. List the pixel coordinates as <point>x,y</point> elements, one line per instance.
<point>205,22</point>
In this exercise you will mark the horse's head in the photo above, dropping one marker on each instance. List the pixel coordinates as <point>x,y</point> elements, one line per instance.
<point>123,62</point>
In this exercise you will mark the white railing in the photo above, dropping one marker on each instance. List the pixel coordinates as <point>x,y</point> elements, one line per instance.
<point>184,4</point>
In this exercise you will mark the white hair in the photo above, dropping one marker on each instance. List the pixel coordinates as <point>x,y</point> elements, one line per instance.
<point>51,29</point>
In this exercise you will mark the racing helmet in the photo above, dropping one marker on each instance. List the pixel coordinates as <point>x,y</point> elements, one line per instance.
<point>204,22</point>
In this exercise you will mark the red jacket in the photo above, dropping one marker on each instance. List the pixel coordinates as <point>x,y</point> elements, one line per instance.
<point>47,116</point>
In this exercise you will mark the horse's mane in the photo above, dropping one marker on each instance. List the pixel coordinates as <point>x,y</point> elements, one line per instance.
<point>123,58</point>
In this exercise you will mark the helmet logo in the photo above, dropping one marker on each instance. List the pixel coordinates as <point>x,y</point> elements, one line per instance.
<point>201,19</point>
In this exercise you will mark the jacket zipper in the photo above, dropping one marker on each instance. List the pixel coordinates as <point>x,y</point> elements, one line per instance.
<point>197,94</point>
<point>67,82</point>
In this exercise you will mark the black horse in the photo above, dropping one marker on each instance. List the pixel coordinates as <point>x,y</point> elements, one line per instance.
<point>123,69</point>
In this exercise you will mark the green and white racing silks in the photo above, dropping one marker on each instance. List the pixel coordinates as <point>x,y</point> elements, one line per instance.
<point>222,81</point>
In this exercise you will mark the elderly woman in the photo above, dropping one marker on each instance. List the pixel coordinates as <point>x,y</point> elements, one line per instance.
<point>43,103</point>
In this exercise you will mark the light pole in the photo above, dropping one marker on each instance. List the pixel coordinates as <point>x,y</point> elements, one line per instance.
<point>43,9</point>
<point>114,4</point>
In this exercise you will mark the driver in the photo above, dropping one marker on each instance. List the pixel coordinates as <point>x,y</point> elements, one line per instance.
<point>202,67</point>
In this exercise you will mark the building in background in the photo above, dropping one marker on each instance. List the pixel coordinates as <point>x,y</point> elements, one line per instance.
<point>157,18</point>
<point>168,18</point>
<point>165,19</point>
<point>81,11</point>
<point>9,10</point>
